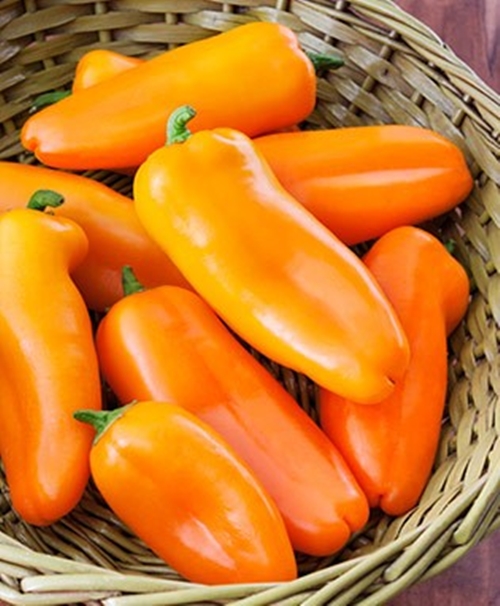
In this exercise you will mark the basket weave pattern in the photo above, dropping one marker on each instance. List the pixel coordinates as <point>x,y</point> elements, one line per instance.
<point>396,71</point>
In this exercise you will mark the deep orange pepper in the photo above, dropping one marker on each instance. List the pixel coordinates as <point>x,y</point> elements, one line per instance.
<point>167,344</point>
<point>178,485</point>
<point>363,181</point>
<point>99,65</point>
<point>274,274</point>
<point>46,349</point>
<point>391,446</point>
<point>115,235</point>
<point>120,121</point>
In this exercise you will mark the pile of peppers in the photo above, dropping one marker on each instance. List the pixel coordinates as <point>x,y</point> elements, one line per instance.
<point>241,233</point>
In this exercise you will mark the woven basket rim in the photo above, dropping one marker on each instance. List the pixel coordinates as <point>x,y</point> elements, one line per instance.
<point>396,68</point>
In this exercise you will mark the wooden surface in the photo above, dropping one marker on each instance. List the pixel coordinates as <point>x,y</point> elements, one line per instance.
<point>472,581</point>
<point>472,30</point>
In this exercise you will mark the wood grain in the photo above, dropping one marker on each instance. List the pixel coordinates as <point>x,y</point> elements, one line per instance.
<point>472,581</point>
<point>471,28</point>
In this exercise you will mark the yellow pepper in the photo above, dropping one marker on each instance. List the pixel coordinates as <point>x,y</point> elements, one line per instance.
<point>273,272</point>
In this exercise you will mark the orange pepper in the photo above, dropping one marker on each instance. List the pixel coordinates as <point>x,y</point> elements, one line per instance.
<point>153,342</point>
<point>46,349</point>
<point>363,181</point>
<point>272,272</point>
<point>115,235</point>
<point>99,65</point>
<point>391,446</point>
<point>181,489</point>
<point>120,121</point>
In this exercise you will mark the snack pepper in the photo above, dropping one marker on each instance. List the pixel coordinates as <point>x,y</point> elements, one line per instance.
<point>280,279</point>
<point>118,122</point>
<point>46,349</point>
<point>182,490</point>
<point>100,64</point>
<point>363,181</point>
<point>391,446</point>
<point>167,344</point>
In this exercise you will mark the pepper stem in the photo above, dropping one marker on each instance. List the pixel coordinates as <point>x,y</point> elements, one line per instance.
<point>46,99</point>
<point>177,130</point>
<point>44,198</point>
<point>99,419</point>
<point>322,61</point>
<point>450,245</point>
<point>130,283</point>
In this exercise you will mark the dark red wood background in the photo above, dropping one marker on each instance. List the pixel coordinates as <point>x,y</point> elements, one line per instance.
<point>472,29</point>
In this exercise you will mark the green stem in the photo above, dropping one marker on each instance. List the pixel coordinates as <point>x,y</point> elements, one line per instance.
<point>450,245</point>
<point>44,198</point>
<point>99,419</point>
<point>321,61</point>
<point>177,130</point>
<point>130,283</point>
<point>48,99</point>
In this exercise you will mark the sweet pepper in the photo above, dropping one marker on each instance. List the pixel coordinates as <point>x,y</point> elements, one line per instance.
<point>274,274</point>
<point>46,349</point>
<point>391,446</point>
<point>118,122</point>
<point>363,181</point>
<point>181,489</point>
<point>167,344</point>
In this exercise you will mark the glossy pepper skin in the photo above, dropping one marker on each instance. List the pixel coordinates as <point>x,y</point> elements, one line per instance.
<point>271,271</point>
<point>99,65</point>
<point>46,349</point>
<point>391,446</point>
<point>115,235</point>
<point>180,488</point>
<point>120,121</point>
<point>363,181</point>
<point>153,342</point>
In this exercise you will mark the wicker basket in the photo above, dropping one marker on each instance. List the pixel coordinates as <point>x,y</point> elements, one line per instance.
<point>396,71</point>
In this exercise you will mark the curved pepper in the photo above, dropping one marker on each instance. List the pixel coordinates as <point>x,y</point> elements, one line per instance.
<point>120,121</point>
<point>391,446</point>
<point>180,488</point>
<point>99,65</point>
<point>46,349</point>
<point>363,181</point>
<point>272,272</point>
<point>115,235</point>
<point>152,343</point>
